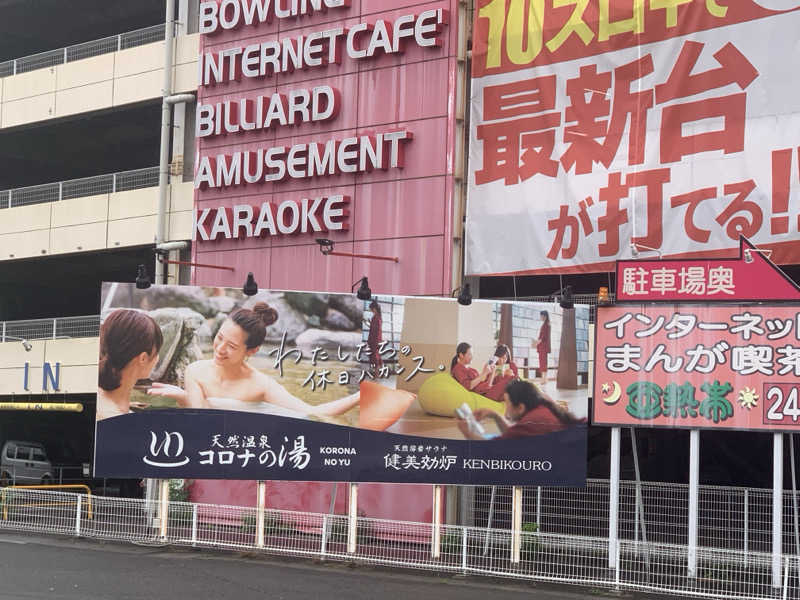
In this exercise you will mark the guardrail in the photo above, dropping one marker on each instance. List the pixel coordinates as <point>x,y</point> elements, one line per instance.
<point>50,329</point>
<point>60,56</point>
<point>80,188</point>
<point>4,493</point>
<point>550,557</point>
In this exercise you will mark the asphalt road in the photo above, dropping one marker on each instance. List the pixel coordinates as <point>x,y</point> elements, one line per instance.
<point>67,569</point>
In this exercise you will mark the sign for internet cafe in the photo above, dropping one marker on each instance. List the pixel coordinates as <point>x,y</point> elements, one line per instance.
<point>719,350</point>
<point>230,160</point>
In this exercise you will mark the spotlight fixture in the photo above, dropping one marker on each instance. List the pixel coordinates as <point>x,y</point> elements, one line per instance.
<point>363,293</point>
<point>748,254</point>
<point>603,299</point>
<point>637,247</point>
<point>325,245</point>
<point>142,278</point>
<point>250,287</point>
<point>25,343</point>
<point>464,296</point>
<point>564,297</point>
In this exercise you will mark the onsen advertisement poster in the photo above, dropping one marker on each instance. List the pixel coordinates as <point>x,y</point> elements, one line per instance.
<point>207,383</point>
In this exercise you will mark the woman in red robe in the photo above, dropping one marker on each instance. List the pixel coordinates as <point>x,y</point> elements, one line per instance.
<point>466,375</point>
<point>374,336</point>
<point>543,345</point>
<point>501,375</point>
<point>529,411</point>
<point>486,382</point>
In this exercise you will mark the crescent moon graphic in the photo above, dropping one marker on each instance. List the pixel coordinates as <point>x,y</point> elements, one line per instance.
<point>614,397</point>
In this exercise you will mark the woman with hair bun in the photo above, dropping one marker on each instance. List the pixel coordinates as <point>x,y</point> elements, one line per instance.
<point>129,345</point>
<point>227,382</point>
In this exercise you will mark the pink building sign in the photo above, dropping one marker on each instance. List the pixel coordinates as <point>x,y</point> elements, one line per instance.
<point>326,119</point>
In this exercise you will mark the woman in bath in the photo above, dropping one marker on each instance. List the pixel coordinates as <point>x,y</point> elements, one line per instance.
<point>129,345</point>
<point>226,381</point>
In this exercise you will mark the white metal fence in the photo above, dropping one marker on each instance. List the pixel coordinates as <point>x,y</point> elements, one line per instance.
<point>60,56</point>
<point>50,329</point>
<point>549,555</point>
<point>734,519</point>
<point>80,188</point>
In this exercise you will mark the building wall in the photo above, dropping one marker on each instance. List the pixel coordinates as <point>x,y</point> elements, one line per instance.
<point>404,213</point>
<point>100,82</point>
<point>77,359</point>
<point>106,221</point>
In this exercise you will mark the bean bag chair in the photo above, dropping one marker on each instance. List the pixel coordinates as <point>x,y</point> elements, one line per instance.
<point>380,406</point>
<point>440,395</point>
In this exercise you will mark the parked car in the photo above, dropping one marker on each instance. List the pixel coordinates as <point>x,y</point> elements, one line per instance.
<point>24,463</point>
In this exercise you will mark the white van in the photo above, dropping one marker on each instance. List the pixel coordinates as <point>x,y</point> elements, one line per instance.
<point>24,463</point>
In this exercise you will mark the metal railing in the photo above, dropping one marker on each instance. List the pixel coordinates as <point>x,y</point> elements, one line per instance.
<point>589,299</point>
<point>60,56</point>
<point>542,556</point>
<point>50,329</point>
<point>80,188</point>
<point>735,519</point>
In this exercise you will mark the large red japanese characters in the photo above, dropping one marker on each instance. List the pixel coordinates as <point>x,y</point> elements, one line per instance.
<point>607,127</point>
<point>732,367</point>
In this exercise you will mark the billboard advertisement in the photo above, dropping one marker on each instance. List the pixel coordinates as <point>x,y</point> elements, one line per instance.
<point>206,383</point>
<point>731,366</point>
<point>326,119</point>
<point>607,128</point>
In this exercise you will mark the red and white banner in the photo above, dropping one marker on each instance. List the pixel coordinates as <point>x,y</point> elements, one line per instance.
<point>601,129</point>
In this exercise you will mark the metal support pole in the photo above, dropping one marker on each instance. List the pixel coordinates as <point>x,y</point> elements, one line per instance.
<point>539,508</point>
<point>333,500</point>
<point>60,191</point>
<point>436,538</point>
<point>516,523</point>
<point>694,497</point>
<point>324,536</point>
<point>786,580</point>
<point>78,516</point>
<point>163,510</point>
<point>55,327</point>
<point>777,507</point>
<point>613,498</point>
<point>119,42</point>
<point>194,525</point>
<point>794,498</point>
<point>352,518</point>
<point>166,133</point>
<point>640,517</point>
<point>464,550</point>
<point>489,521</point>
<point>261,487</point>
<point>746,518</point>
